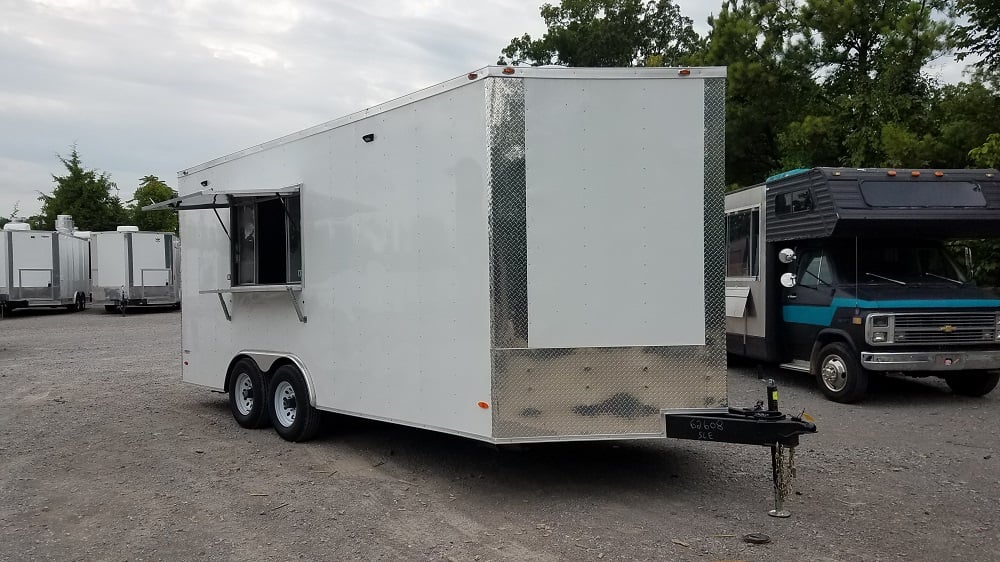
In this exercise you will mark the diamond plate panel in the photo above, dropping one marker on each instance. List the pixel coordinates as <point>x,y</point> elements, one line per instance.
<point>591,392</point>
<point>715,230</point>
<point>599,391</point>
<point>508,219</point>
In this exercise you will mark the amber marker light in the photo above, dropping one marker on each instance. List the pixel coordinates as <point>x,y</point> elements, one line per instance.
<point>891,173</point>
<point>915,174</point>
<point>939,174</point>
<point>684,72</point>
<point>473,76</point>
<point>484,405</point>
<point>508,70</point>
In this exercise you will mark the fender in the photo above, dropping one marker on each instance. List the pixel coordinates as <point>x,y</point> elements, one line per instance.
<point>828,335</point>
<point>265,359</point>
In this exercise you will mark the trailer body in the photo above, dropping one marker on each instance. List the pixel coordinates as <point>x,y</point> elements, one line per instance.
<point>134,268</point>
<point>871,285</point>
<point>496,257</point>
<point>43,269</point>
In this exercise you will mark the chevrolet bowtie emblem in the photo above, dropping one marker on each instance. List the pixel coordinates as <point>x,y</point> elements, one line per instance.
<point>947,328</point>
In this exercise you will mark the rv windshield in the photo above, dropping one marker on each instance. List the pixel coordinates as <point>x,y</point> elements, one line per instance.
<point>899,262</point>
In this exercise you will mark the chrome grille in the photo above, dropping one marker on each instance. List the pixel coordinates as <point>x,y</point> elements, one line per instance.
<point>945,328</point>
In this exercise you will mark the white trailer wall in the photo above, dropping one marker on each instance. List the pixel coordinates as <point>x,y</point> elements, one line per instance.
<point>395,266</point>
<point>614,223</point>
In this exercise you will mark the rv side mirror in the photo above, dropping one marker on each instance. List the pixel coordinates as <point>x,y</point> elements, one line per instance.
<point>786,256</point>
<point>788,280</point>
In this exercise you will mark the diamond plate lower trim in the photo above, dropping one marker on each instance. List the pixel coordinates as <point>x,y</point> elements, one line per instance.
<point>600,391</point>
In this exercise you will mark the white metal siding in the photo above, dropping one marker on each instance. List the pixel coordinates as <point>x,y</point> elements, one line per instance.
<point>32,258</point>
<point>615,224</point>
<point>395,266</point>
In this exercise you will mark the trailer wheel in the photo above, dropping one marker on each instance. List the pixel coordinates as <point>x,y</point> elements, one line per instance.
<point>247,395</point>
<point>839,373</point>
<point>291,415</point>
<point>973,383</point>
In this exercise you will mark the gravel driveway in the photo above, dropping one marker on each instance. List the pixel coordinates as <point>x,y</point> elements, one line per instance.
<point>106,455</point>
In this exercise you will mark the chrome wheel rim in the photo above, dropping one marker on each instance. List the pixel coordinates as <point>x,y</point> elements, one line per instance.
<point>243,393</point>
<point>284,403</point>
<point>834,373</point>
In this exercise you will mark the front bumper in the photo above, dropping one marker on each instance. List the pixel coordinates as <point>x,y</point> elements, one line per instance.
<point>930,361</point>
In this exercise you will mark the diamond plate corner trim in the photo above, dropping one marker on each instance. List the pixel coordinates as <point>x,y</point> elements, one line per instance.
<point>507,213</point>
<point>715,232</point>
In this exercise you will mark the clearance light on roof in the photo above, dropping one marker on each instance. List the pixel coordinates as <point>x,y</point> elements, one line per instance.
<point>915,174</point>
<point>508,70</point>
<point>891,173</point>
<point>473,76</point>
<point>484,405</point>
<point>684,72</point>
<point>939,174</point>
<point>836,173</point>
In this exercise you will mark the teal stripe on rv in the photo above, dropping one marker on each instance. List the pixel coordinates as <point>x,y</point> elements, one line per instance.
<point>823,315</point>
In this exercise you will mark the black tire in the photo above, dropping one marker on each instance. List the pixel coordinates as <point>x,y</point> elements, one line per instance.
<point>973,383</point>
<point>844,380</point>
<point>288,403</point>
<point>81,302</point>
<point>248,395</point>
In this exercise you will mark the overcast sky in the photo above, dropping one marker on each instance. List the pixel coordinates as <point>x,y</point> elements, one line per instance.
<point>153,87</point>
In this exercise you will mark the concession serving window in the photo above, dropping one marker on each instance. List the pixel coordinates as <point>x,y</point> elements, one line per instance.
<point>265,235</point>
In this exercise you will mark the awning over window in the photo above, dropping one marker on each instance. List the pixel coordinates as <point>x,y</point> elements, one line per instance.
<point>213,199</point>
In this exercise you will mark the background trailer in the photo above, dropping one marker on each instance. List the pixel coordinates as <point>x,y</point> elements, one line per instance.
<point>514,255</point>
<point>133,268</point>
<point>43,269</point>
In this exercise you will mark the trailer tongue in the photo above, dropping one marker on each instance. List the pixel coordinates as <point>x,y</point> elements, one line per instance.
<point>751,426</point>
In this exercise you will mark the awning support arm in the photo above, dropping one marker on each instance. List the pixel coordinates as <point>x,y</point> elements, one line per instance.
<point>225,309</point>
<point>295,303</point>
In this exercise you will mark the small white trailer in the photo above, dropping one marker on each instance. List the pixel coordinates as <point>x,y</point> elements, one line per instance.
<point>42,268</point>
<point>516,255</point>
<point>133,268</point>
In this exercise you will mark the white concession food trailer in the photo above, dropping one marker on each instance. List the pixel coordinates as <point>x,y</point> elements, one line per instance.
<point>42,268</point>
<point>497,256</point>
<point>133,268</point>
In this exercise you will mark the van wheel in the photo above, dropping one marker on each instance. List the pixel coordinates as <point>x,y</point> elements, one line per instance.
<point>248,395</point>
<point>292,416</point>
<point>973,383</point>
<point>839,374</point>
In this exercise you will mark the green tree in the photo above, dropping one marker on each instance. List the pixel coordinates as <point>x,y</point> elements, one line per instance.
<point>607,33</point>
<point>85,194</point>
<point>152,190</point>
<point>980,35</point>
<point>769,82</point>
<point>871,55</point>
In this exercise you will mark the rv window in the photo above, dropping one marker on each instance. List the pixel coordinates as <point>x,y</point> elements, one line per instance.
<point>922,194</point>
<point>815,271</point>
<point>799,201</point>
<point>266,242</point>
<point>741,237</point>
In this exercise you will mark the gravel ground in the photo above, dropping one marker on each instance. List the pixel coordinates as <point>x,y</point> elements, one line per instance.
<point>106,455</point>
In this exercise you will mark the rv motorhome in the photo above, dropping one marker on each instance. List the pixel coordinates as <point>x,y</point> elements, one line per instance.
<point>844,273</point>
<point>42,268</point>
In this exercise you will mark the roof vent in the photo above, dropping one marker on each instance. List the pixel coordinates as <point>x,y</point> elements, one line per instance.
<point>127,229</point>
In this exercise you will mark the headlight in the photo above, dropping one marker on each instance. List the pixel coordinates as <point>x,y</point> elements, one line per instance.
<point>879,337</point>
<point>880,321</point>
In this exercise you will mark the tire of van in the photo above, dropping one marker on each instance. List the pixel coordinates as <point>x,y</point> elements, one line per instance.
<point>288,403</point>
<point>973,383</point>
<point>839,373</point>
<point>248,395</point>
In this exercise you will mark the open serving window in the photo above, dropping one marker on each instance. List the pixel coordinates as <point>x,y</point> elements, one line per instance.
<point>265,236</point>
